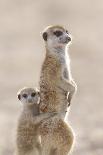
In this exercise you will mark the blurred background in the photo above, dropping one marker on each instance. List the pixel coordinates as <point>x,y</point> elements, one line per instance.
<point>22,53</point>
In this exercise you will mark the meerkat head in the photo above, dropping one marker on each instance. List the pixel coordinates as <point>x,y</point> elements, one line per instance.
<point>56,37</point>
<point>29,96</point>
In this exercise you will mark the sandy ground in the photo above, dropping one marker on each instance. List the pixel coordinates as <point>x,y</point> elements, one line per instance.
<point>22,53</point>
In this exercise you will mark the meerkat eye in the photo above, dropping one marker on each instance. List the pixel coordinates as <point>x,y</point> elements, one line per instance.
<point>58,33</point>
<point>25,95</point>
<point>33,94</point>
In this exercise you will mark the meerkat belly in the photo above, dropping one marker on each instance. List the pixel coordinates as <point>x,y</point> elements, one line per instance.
<point>54,98</point>
<point>26,136</point>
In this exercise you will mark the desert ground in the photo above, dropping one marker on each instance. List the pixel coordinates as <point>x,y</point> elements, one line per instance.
<point>22,53</point>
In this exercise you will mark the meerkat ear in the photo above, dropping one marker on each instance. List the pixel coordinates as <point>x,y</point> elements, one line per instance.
<point>19,97</point>
<point>45,36</point>
<point>38,92</point>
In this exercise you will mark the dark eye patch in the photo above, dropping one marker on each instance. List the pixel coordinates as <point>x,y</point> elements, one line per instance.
<point>58,33</point>
<point>33,94</point>
<point>25,95</point>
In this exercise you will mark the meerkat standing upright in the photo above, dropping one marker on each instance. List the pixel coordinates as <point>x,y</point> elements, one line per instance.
<point>56,79</point>
<point>56,137</point>
<point>55,82</point>
<point>28,140</point>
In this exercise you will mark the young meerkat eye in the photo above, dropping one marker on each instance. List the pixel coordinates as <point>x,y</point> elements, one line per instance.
<point>25,95</point>
<point>33,94</point>
<point>58,33</point>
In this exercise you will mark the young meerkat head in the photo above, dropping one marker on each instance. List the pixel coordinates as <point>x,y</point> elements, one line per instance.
<point>29,96</point>
<point>56,37</point>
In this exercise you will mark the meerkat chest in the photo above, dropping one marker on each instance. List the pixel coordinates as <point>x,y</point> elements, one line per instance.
<point>25,120</point>
<point>65,67</point>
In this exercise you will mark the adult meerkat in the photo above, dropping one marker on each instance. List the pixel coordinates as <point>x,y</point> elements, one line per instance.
<point>28,140</point>
<point>55,83</point>
<point>56,79</point>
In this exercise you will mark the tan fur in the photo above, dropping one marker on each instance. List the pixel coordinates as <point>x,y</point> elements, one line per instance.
<point>55,83</point>
<point>56,136</point>
<point>28,140</point>
<point>56,80</point>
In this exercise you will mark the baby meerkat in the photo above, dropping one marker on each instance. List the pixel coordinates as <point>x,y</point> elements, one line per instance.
<point>28,138</point>
<point>56,80</point>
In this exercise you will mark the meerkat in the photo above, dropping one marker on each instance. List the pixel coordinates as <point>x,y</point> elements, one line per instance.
<point>28,138</point>
<point>56,82</point>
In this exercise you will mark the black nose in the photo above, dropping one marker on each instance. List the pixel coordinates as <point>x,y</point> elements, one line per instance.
<point>68,39</point>
<point>30,100</point>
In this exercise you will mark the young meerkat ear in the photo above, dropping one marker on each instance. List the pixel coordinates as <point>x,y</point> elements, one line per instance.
<point>19,97</point>
<point>45,36</point>
<point>38,92</point>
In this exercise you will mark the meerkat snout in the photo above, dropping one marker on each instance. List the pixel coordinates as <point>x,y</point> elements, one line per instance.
<point>65,40</point>
<point>68,39</point>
